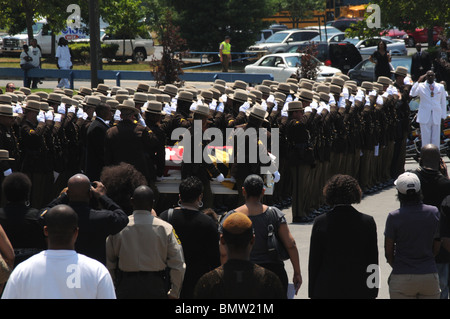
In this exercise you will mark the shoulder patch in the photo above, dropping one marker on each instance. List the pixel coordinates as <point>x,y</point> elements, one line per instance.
<point>176,236</point>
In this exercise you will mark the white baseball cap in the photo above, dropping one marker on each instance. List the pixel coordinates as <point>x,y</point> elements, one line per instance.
<point>406,182</point>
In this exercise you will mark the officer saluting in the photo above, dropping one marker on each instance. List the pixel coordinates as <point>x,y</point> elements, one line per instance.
<point>128,141</point>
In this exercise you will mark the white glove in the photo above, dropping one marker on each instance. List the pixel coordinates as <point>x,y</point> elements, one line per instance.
<point>49,116</point>
<point>141,120</point>
<point>193,106</point>
<point>264,105</point>
<point>71,109</point>
<point>314,105</point>
<point>284,113</point>
<point>85,116</point>
<point>220,178</point>
<point>244,107</point>
<point>276,177</point>
<point>41,116</point>
<point>17,109</point>
<point>373,93</point>
<point>380,100</point>
<point>213,105</point>
<point>80,113</point>
<point>117,115</point>
<point>220,108</point>
<point>271,98</point>
<point>57,117</point>
<point>224,98</point>
<point>62,108</point>
<point>289,98</point>
<point>275,106</point>
<point>341,101</point>
<point>345,93</point>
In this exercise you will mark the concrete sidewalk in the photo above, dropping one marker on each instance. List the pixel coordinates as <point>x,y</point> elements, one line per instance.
<point>378,205</point>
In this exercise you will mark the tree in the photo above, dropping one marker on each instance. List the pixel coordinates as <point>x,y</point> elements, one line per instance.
<point>411,14</point>
<point>300,10</point>
<point>361,31</point>
<point>309,66</point>
<point>126,19</point>
<point>168,69</point>
<point>204,24</point>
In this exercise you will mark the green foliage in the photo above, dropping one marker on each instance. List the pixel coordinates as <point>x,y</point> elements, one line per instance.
<point>80,51</point>
<point>125,17</point>
<point>204,24</point>
<point>362,31</point>
<point>309,68</point>
<point>169,68</point>
<point>411,14</point>
<point>301,10</point>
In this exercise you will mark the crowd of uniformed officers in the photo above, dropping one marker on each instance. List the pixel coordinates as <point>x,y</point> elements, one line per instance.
<point>324,128</point>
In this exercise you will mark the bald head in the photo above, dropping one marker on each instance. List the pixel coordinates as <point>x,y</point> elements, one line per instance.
<point>143,198</point>
<point>61,227</point>
<point>78,188</point>
<point>430,157</point>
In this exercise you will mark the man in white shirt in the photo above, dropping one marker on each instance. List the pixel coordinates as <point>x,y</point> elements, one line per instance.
<point>36,55</point>
<point>64,62</point>
<point>432,108</point>
<point>60,272</point>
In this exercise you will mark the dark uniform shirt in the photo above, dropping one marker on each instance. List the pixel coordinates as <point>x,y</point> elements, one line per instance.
<point>239,279</point>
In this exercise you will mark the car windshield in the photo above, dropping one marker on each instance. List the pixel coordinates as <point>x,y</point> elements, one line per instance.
<point>401,61</point>
<point>295,61</point>
<point>36,28</point>
<point>277,37</point>
<point>353,41</point>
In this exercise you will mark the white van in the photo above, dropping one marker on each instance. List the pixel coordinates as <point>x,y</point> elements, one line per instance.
<point>13,44</point>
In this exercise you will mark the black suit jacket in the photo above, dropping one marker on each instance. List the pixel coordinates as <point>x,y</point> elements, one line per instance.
<point>343,244</point>
<point>95,149</point>
<point>420,64</point>
<point>95,225</point>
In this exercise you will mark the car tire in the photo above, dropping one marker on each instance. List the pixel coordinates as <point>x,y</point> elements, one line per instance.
<point>410,42</point>
<point>139,55</point>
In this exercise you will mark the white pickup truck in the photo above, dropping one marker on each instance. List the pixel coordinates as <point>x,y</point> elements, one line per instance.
<point>137,49</point>
<point>13,44</point>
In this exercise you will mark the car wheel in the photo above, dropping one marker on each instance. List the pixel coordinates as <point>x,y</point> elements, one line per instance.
<point>139,55</point>
<point>411,42</point>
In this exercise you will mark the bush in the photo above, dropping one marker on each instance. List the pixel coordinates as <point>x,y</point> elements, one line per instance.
<point>81,51</point>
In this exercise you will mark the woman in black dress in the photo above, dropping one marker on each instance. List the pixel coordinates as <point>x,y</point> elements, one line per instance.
<point>343,256</point>
<point>381,58</point>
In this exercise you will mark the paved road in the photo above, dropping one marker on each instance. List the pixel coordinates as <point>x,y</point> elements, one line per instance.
<point>377,205</point>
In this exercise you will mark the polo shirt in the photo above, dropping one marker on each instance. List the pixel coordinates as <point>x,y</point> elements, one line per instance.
<point>413,229</point>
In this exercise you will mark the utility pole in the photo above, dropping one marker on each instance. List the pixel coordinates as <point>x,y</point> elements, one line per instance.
<point>94,29</point>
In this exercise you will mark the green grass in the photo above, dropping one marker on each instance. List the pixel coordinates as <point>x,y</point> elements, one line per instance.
<point>12,62</point>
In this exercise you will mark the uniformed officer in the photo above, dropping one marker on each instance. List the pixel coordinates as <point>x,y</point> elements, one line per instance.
<point>299,150</point>
<point>129,141</point>
<point>193,165</point>
<point>34,150</point>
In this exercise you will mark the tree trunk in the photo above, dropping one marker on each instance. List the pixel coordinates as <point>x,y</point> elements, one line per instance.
<point>29,21</point>
<point>430,37</point>
<point>94,29</point>
<point>123,50</point>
